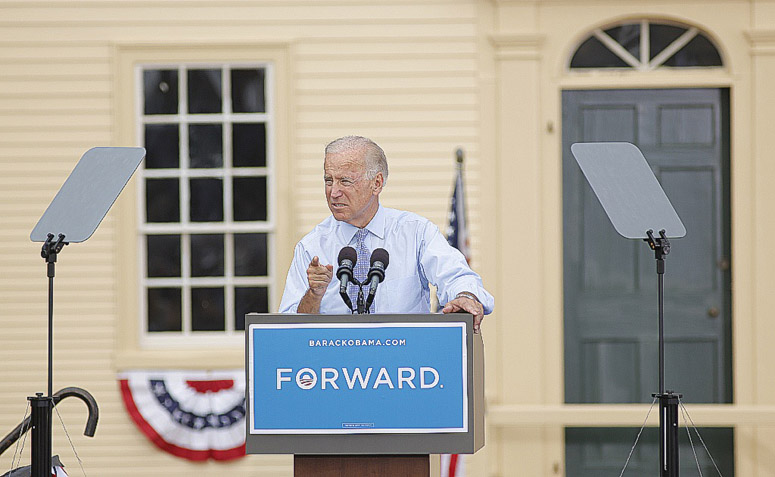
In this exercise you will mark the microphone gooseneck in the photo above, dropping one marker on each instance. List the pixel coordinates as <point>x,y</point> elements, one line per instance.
<point>346,260</point>
<point>379,262</point>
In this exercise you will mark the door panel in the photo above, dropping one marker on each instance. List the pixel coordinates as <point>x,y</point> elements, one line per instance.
<point>610,283</point>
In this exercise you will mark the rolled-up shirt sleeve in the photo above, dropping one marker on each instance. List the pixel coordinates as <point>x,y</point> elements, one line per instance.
<point>296,282</point>
<point>447,269</point>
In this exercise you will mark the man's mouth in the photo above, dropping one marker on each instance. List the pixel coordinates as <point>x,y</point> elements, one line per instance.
<point>338,205</point>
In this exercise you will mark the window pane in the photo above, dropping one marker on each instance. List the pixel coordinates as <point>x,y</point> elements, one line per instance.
<point>207,255</point>
<point>601,451</point>
<point>628,36</point>
<point>162,146</point>
<point>660,36</point>
<point>593,54</point>
<point>249,145</point>
<point>250,255</point>
<point>164,309</point>
<point>204,91</point>
<point>247,91</point>
<point>205,145</point>
<point>698,52</point>
<point>206,200</point>
<point>163,255</point>
<point>207,309</point>
<point>160,89</point>
<point>162,200</point>
<point>249,300</point>
<point>249,198</point>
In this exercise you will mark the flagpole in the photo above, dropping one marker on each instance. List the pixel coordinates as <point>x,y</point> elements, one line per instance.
<point>452,464</point>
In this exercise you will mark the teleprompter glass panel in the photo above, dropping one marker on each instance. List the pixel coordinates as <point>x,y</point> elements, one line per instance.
<point>247,91</point>
<point>206,200</point>
<point>250,253</point>
<point>698,52</point>
<point>207,309</point>
<point>164,310</point>
<point>160,91</point>
<point>628,36</point>
<point>162,200</point>
<point>205,145</point>
<point>249,300</point>
<point>204,91</point>
<point>249,198</point>
<point>248,144</point>
<point>206,255</point>
<point>593,54</point>
<point>162,146</point>
<point>163,257</point>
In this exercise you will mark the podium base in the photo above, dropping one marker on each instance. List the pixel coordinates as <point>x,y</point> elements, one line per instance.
<point>362,465</point>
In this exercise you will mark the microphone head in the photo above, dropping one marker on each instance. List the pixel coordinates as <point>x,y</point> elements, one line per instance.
<point>348,253</point>
<point>380,255</point>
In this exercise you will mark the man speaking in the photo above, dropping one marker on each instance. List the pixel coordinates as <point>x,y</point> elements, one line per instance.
<point>355,171</point>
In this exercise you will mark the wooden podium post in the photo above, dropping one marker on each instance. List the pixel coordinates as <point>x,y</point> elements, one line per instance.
<point>413,465</point>
<point>363,395</point>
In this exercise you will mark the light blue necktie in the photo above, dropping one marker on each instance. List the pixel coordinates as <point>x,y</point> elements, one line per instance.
<point>361,268</point>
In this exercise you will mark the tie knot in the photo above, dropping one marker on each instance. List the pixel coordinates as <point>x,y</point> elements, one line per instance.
<point>361,234</point>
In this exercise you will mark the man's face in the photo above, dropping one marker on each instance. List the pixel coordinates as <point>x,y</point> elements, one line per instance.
<point>351,196</point>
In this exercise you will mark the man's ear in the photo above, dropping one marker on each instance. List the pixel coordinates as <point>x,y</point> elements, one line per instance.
<point>378,182</point>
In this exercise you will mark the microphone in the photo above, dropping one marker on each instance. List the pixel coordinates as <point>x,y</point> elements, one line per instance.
<point>347,258</point>
<point>379,262</point>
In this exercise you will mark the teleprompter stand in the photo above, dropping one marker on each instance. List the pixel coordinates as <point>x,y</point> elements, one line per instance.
<point>73,216</point>
<point>637,206</point>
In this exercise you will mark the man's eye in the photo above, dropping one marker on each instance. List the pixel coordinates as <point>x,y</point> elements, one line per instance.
<point>329,182</point>
<point>347,182</point>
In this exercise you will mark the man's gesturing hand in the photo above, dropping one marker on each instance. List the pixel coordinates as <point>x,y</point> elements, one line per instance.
<point>319,276</point>
<point>467,305</point>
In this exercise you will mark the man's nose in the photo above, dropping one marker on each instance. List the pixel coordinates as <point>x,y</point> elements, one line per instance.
<point>336,190</point>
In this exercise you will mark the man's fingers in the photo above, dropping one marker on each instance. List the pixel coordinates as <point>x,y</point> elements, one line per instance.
<point>315,262</point>
<point>467,305</point>
<point>330,268</point>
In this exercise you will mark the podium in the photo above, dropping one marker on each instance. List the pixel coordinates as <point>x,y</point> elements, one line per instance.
<point>363,394</point>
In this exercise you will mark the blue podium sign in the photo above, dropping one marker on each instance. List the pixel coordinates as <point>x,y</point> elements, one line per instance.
<point>358,378</point>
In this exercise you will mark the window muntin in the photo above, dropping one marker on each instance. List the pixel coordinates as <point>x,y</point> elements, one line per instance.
<point>645,46</point>
<point>206,224</point>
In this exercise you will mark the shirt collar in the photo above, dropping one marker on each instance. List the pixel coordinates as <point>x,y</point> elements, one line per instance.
<point>376,226</point>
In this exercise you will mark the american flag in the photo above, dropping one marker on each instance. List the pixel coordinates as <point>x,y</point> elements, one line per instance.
<point>457,231</point>
<point>452,465</point>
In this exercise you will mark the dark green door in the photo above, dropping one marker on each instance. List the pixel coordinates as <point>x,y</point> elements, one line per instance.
<point>610,302</point>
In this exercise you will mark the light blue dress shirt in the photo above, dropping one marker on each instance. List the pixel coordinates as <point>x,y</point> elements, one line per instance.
<point>419,254</point>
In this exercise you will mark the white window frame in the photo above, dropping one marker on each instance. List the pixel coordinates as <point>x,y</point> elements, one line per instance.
<point>644,62</point>
<point>186,338</point>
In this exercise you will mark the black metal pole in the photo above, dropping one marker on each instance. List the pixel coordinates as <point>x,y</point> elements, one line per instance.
<point>41,435</point>
<point>50,272</point>
<point>668,400</point>
<point>668,431</point>
<point>42,406</point>
<point>660,299</point>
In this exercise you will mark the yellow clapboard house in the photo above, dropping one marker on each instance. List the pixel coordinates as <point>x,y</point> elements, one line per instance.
<point>235,101</point>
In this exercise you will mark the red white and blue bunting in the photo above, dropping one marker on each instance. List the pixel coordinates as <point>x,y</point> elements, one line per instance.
<point>197,415</point>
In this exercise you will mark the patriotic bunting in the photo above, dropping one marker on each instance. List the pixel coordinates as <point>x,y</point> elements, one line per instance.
<point>196,415</point>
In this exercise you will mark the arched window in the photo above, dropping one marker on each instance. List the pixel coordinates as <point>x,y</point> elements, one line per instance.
<point>644,46</point>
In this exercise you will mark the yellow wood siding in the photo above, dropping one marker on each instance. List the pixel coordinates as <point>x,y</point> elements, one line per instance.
<point>401,72</point>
